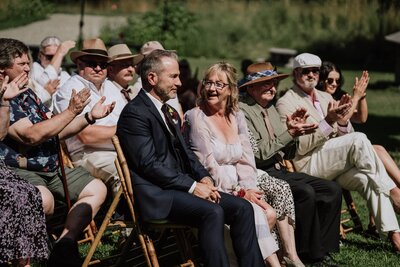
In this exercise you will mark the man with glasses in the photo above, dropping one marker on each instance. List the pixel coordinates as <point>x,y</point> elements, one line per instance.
<point>47,74</point>
<point>317,201</point>
<point>334,151</point>
<point>92,148</point>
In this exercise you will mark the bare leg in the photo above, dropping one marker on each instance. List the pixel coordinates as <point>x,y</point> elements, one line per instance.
<point>84,210</point>
<point>286,233</point>
<point>394,238</point>
<point>388,162</point>
<point>47,199</point>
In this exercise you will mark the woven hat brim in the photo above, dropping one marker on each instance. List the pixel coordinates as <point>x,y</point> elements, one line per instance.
<point>136,58</point>
<point>265,79</point>
<point>76,54</point>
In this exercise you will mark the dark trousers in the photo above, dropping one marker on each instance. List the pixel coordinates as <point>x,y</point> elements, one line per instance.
<point>209,218</point>
<point>317,204</point>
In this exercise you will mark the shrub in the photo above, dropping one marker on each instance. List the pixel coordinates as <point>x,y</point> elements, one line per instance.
<point>15,13</point>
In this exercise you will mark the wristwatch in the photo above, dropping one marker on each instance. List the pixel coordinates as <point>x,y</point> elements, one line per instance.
<point>90,121</point>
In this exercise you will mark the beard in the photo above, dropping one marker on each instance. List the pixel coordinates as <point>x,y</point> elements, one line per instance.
<point>309,85</point>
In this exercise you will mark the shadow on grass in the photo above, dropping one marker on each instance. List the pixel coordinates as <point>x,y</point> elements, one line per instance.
<point>379,129</point>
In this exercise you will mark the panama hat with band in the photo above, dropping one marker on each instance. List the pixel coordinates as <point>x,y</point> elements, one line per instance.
<point>122,51</point>
<point>91,47</point>
<point>260,73</point>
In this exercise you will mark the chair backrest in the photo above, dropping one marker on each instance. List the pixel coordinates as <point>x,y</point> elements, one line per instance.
<point>66,158</point>
<point>125,176</point>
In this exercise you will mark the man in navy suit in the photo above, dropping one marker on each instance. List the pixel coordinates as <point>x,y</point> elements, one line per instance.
<point>169,181</point>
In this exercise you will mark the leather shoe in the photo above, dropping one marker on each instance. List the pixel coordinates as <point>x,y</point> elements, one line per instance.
<point>65,253</point>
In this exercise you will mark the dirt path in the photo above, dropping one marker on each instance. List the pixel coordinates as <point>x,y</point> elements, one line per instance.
<point>65,26</point>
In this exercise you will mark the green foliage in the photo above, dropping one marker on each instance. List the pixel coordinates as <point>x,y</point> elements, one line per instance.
<point>15,13</point>
<point>348,30</point>
<point>171,24</point>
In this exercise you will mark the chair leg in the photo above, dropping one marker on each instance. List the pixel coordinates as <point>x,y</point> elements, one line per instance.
<point>103,227</point>
<point>352,209</point>
<point>184,245</point>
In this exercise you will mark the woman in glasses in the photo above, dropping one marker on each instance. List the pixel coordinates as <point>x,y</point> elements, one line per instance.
<point>217,132</point>
<point>331,81</point>
<point>47,74</point>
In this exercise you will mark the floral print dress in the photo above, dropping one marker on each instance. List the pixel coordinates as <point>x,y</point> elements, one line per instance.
<point>22,221</point>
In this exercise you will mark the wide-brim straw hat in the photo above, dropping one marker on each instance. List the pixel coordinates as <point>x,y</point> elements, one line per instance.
<point>260,73</point>
<point>91,47</point>
<point>121,51</point>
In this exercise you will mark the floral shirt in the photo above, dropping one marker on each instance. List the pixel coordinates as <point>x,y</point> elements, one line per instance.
<point>42,157</point>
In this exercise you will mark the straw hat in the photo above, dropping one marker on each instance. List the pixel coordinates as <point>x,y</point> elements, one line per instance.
<point>261,72</point>
<point>91,47</point>
<point>150,46</point>
<point>122,51</point>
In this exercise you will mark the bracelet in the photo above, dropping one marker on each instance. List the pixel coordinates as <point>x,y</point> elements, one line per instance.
<point>90,121</point>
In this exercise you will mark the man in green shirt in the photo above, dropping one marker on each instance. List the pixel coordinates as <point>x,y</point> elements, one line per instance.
<point>317,201</point>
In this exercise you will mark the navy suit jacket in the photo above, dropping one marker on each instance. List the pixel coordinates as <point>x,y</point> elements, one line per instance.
<point>148,148</point>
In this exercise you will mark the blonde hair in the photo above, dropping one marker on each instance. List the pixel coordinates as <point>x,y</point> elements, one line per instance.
<point>230,71</point>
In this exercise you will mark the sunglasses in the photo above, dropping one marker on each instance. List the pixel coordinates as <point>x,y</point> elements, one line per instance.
<point>48,57</point>
<point>307,71</point>
<point>331,80</point>
<point>93,64</point>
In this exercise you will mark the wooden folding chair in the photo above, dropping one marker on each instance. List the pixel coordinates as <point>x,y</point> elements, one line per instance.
<point>139,227</point>
<point>91,229</point>
<point>351,208</point>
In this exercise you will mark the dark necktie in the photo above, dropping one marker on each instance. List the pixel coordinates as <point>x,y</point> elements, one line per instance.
<point>126,92</point>
<point>172,119</point>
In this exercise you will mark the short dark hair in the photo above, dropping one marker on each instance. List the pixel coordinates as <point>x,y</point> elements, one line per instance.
<point>152,63</point>
<point>9,50</point>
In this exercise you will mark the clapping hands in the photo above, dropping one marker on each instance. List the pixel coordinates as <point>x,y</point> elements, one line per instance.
<point>100,110</point>
<point>297,123</point>
<point>9,90</point>
<point>338,110</point>
<point>360,86</point>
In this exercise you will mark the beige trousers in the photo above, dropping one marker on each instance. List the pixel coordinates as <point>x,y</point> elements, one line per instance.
<point>353,163</point>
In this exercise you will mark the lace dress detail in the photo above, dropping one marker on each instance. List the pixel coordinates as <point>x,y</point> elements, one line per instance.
<point>22,221</point>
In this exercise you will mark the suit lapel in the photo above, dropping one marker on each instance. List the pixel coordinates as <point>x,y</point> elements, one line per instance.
<point>307,104</point>
<point>153,110</point>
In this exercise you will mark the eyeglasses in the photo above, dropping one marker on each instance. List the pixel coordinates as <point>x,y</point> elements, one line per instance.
<point>93,64</point>
<point>48,57</point>
<point>218,85</point>
<point>307,71</point>
<point>330,81</point>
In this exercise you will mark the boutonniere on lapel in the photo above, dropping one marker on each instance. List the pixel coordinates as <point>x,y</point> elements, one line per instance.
<point>174,114</point>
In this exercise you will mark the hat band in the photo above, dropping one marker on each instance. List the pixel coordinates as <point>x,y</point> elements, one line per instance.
<point>260,74</point>
<point>95,51</point>
<point>123,55</point>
